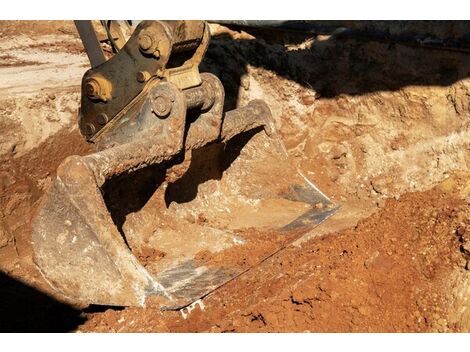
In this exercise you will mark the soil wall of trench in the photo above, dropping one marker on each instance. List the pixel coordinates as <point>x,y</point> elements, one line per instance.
<point>380,127</point>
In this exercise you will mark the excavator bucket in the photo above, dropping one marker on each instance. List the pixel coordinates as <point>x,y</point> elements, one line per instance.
<point>179,199</point>
<point>237,204</point>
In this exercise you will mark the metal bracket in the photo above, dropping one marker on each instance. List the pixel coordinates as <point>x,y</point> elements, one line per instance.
<point>156,51</point>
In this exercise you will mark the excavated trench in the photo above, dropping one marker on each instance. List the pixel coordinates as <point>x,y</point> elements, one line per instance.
<point>380,127</point>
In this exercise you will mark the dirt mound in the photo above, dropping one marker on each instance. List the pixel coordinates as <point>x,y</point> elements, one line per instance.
<point>388,273</point>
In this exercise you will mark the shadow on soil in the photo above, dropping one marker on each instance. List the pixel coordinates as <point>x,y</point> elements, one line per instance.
<point>25,309</point>
<point>340,64</point>
<point>129,192</point>
<point>331,67</point>
<point>352,63</point>
<point>207,163</point>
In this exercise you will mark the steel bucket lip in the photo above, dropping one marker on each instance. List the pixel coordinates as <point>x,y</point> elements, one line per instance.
<point>322,206</point>
<point>311,219</point>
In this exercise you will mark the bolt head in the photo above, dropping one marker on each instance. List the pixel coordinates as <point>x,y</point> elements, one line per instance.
<point>161,106</point>
<point>97,87</point>
<point>145,41</point>
<point>92,88</point>
<point>102,119</point>
<point>142,76</point>
<point>89,129</point>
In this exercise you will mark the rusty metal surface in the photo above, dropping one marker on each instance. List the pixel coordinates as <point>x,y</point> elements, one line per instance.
<point>150,53</point>
<point>77,247</point>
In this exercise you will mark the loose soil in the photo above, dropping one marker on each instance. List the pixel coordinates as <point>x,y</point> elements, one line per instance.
<point>388,273</point>
<point>381,128</point>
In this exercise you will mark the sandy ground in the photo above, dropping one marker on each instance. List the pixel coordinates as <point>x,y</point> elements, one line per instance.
<point>382,129</point>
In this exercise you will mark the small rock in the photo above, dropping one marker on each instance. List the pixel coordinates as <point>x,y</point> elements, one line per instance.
<point>3,237</point>
<point>395,145</point>
<point>461,230</point>
<point>379,184</point>
<point>308,100</point>
<point>245,82</point>
<point>442,322</point>
<point>338,151</point>
<point>358,130</point>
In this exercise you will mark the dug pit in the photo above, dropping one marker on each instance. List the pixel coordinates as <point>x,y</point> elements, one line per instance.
<point>379,127</point>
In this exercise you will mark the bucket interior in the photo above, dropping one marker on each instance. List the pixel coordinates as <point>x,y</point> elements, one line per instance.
<point>236,204</point>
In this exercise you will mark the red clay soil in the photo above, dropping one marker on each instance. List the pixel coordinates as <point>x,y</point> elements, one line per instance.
<point>23,181</point>
<point>389,273</point>
<point>36,28</point>
<point>397,270</point>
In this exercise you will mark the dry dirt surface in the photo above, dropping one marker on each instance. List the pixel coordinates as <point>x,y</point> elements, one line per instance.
<point>381,128</point>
